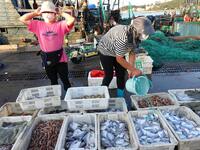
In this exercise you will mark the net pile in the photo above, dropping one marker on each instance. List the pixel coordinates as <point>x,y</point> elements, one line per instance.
<point>163,49</point>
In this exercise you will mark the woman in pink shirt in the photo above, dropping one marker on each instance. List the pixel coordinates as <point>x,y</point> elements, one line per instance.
<point>50,34</point>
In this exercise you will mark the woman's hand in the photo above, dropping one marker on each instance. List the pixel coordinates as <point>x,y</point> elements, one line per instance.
<point>59,10</point>
<point>26,18</point>
<point>37,11</point>
<point>68,18</point>
<point>134,72</point>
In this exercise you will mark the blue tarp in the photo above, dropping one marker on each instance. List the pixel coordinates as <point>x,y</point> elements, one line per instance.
<point>91,6</point>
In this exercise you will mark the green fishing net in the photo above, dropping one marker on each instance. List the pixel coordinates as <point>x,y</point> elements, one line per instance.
<point>163,49</point>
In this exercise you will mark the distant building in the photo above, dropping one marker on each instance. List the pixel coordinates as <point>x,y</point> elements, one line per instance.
<point>149,7</point>
<point>161,1</point>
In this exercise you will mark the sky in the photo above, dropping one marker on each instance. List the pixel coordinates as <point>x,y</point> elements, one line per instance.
<point>133,2</point>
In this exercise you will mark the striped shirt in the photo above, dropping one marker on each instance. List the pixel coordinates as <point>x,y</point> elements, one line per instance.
<point>115,42</point>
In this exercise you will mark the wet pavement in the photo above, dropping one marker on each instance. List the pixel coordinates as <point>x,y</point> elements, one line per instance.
<point>23,70</point>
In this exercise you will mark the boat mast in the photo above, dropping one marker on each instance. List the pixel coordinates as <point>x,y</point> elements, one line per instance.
<point>116,3</point>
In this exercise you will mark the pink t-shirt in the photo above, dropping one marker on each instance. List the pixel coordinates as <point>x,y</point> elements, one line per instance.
<point>50,36</point>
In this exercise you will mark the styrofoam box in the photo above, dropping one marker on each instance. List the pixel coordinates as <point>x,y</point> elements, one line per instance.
<point>121,117</point>
<point>39,97</point>
<point>115,103</point>
<point>135,99</point>
<point>146,60</point>
<point>97,81</point>
<point>146,64</point>
<point>188,144</point>
<point>87,104</point>
<point>63,106</point>
<point>155,146</point>
<point>147,70</point>
<point>25,140</point>
<point>86,118</point>
<point>16,119</point>
<point>137,55</point>
<point>182,101</point>
<point>14,108</point>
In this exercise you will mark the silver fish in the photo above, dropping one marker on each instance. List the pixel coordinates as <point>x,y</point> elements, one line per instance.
<point>80,136</point>
<point>110,136</point>
<point>78,133</point>
<point>183,126</point>
<point>106,143</point>
<point>121,142</point>
<point>114,134</point>
<point>74,125</point>
<point>90,140</point>
<point>75,144</point>
<point>149,129</point>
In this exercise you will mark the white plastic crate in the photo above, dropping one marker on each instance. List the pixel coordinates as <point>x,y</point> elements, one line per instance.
<point>182,98</point>
<point>147,70</point>
<point>135,99</point>
<point>25,139</point>
<point>74,93</point>
<point>188,144</point>
<point>121,117</point>
<point>156,146</point>
<point>97,81</point>
<point>39,97</point>
<point>144,63</point>
<point>13,120</point>
<point>14,109</point>
<point>86,118</point>
<point>113,103</point>
<point>63,107</point>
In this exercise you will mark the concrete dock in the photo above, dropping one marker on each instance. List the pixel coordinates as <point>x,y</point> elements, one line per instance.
<point>24,70</point>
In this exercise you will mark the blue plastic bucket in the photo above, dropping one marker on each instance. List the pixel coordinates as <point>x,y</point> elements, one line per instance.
<point>138,85</point>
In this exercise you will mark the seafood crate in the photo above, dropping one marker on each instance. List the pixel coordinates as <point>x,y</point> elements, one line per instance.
<point>97,81</point>
<point>115,105</point>
<point>14,109</point>
<point>78,119</point>
<point>62,109</point>
<point>116,117</point>
<point>16,119</point>
<point>189,143</point>
<point>150,105</point>
<point>25,139</point>
<point>87,98</point>
<point>39,97</point>
<point>153,146</point>
<point>194,106</point>
<point>183,98</point>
